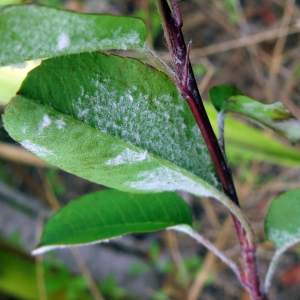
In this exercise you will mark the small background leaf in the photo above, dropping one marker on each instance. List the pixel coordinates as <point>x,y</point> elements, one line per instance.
<point>245,143</point>
<point>31,31</point>
<point>274,115</point>
<point>219,94</point>
<point>109,213</point>
<point>282,223</point>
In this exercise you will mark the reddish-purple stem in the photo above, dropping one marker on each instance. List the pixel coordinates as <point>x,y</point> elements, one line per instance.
<point>187,85</point>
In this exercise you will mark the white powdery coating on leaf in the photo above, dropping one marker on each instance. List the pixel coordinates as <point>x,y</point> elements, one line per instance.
<point>146,121</point>
<point>60,124</point>
<point>291,128</point>
<point>131,38</point>
<point>127,157</point>
<point>282,238</point>
<point>36,149</point>
<point>47,121</point>
<point>24,129</point>
<point>165,179</point>
<point>44,123</point>
<point>63,41</point>
<point>87,33</point>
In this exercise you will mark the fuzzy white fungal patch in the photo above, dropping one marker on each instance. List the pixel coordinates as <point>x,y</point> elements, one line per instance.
<point>145,120</point>
<point>24,129</point>
<point>32,25</point>
<point>282,238</point>
<point>63,41</point>
<point>60,124</point>
<point>131,38</point>
<point>36,149</point>
<point>127,157</point>
<point>268,114</point>
<point>46,121</point>
<point>165,179</point>
<point>291,129</point>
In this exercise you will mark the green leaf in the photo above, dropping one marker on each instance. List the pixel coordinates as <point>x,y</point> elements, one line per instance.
<point>31,31</point>
<point>274,115</point>
<point>109,213</point>
<point>114,121</point>
<point>220,94</point>
<point>282,223</point>
<point>245,143</point>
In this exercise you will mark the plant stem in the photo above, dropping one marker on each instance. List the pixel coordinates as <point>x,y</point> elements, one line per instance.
<point>272,267</point>
<point>221,124</point>
<point>187,85</point>
<point>210,246</point>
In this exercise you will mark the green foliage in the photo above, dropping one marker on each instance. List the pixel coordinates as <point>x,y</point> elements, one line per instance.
<point>245,143</point>
<point>282,223</point>
<point>199,70</point>
<point>97,117</point>
<point>274,116</point>
<point>221,94</point>
<point>111,290</point>
<point>58,188</point>
<point>121,123</point>
<point>59,278</point>
<point>17,269</point>
<point>25,34</point>
<point>109,213</point>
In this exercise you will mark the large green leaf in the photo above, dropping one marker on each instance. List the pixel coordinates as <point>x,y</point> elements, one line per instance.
<point>274,115</point>
<point>243,142</point>
<point>30,32</point>
<point>282,223</point>
<point>109,213</point>
<point>114,121</point>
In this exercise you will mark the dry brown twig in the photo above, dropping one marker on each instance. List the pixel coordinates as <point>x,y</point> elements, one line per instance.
<point>277,53</point>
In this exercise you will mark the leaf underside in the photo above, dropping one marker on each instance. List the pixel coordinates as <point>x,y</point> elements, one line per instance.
<point>109,213</point>
<point>31,31</point>
<point>282,223</point>
<point>114,121</point>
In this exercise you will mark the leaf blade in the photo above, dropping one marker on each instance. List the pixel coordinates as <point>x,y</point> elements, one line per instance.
<point>220,94</point>
<point>138,120</point>
<point>245,143</point>
<point>32,31</point>
<point>108,214</point>
<point>273,115</point>
<point>282,223</point>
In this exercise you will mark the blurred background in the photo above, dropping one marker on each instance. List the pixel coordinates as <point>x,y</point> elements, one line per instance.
<point>251,44</point>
